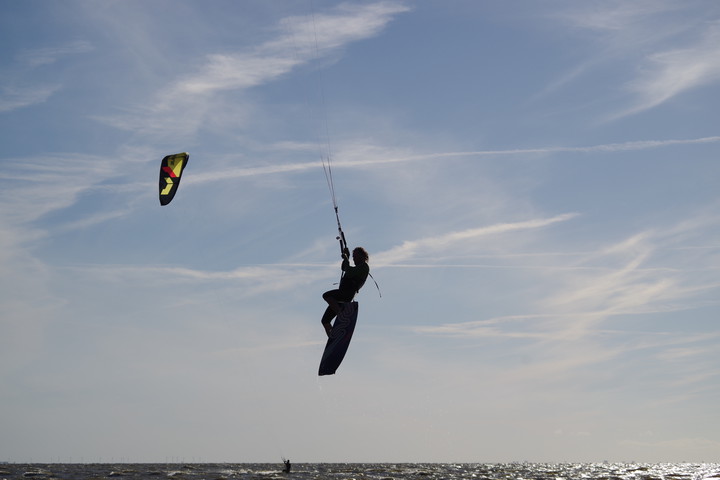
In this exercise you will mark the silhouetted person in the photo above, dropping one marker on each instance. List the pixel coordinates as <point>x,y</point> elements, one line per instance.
<point>351,282</point>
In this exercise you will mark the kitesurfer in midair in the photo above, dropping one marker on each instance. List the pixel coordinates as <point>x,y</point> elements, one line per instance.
<point>351,282</point>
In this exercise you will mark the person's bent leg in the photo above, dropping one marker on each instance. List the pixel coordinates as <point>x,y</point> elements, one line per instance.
<point>332,297</point>
<point>331,311</point>
<point>327,318</point>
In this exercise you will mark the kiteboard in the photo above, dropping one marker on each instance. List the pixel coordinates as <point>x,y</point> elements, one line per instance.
<point>171,170</point>
<point>339,339</point>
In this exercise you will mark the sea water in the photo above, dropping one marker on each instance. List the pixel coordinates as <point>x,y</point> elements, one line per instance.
<point>370,471</point>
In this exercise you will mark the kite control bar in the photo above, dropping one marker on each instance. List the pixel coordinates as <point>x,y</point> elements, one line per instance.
<point>343,247</point>
<point>345,251</point>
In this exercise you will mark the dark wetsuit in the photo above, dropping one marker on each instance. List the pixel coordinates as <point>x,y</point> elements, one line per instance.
<point>351,282</point>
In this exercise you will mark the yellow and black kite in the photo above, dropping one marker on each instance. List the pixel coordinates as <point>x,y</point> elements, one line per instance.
<point>171,169</point>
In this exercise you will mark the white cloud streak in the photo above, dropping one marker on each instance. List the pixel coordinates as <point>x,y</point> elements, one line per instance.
<point>617,16</point>
<point>301,40</point>
<point>17,92</point>
<point>433,245</point>
<point>667,74</point>
<point>610,147</point>
<point>581,319</point>
<point>255,279</point>
<point>642,31</point>
<point>576,307</point>
<point>49,55</point>
<point>36,186</point>
<point>14,97</point>
<point>284,276</point>
<point>355,156</point>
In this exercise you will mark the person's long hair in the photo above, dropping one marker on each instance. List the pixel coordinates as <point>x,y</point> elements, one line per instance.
<point>362,254</point>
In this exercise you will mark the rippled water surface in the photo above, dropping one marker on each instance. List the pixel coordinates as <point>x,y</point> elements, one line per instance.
<point>380,471</point>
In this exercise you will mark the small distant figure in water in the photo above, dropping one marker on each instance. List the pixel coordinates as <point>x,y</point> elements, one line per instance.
<point>351,282</point>
<point>287,466</point>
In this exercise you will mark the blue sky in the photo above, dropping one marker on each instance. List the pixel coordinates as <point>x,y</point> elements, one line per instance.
<point>536,183</point>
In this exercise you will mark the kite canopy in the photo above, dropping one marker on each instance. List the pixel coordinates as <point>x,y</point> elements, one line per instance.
<point>171,169</point>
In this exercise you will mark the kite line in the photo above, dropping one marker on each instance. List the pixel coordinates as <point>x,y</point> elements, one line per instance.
<point>327,168</point>
<point>326,152</point>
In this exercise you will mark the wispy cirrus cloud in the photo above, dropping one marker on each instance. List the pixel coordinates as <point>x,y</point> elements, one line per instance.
<point>30,183</point>
<point>618,16</point>
<point>35,186</point>
<point>13,97</point>
<point>359,156</point>
<point>299,40</point>
<point>363,157</point>
<point>642,296</point>
<point>488,328</point>
<point>18,91</point>
<point>259,279</point>
<point>255,279</point>
<point>48,55</point>
<point>648,33</point>
<point>669,73</point>
<point>642,275</point>
<point>437,244</point>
